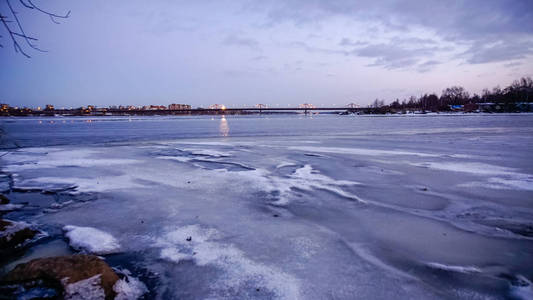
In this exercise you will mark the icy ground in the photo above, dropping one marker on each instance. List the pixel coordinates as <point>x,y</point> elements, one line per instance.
<point>419,211</point>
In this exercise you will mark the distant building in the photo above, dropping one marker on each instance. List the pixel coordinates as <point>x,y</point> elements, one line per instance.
<point>154,107</point>
<point>217,106</point>
<point>49,107</point>
<point>4,107</point>
<point>524,106</point>
<point>487,106</point>
<point>456,107</point>
<point>470,107</point>
<point>175,106</point>
<point>306,105</point>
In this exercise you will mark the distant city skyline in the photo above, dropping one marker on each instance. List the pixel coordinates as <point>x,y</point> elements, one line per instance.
<point>277,53</point>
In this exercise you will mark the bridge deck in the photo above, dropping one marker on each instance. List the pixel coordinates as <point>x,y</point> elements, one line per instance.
<point>197,110</point>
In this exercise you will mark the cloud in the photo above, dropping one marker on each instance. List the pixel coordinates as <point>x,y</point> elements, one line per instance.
<point>313,49</point>
<point>413,41</point>
<point>349,42</point>
<point>513,64</point>
<point>472,23</point>
<point>427,66</point>
<point>501,51</point>
<point>464,19</point>
<point>396,56</point>
<point>399,53</point>
<point>234,40</point>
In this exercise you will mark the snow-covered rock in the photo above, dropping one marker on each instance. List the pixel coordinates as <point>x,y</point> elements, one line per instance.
<point>91,240</point>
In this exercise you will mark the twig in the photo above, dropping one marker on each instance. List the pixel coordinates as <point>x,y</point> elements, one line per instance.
<point>22,34</point>
<point>19,32</point>
<point>16,45</point>
<point>52,15</point>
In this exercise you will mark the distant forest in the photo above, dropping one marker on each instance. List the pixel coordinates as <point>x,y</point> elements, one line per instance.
<point>520,91</point>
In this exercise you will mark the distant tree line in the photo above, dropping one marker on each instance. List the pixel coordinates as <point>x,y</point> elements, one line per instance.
<point>520,91</point>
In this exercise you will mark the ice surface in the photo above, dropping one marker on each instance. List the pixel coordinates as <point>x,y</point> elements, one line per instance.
<point>91,240</point>
<point>522,289</point>
<point>378,208</point>
<point>206,152</point>
<point>176,158</point>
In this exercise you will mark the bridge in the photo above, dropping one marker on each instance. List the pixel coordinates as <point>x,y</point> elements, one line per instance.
<point>214,109</point>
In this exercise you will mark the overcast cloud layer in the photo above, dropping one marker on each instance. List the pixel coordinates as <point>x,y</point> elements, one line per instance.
<point>275,52</point>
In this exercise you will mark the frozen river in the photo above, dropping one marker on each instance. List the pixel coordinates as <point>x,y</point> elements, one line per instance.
<point>285,207</point>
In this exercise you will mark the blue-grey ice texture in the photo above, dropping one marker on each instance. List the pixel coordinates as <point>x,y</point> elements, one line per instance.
<point>289,207</point>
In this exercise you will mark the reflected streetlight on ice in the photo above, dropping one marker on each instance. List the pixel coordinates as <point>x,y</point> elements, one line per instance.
<point>224,128</point>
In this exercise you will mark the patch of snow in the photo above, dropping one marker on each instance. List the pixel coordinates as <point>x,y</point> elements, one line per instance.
<point>305,178</point>
<point>13,228</point>
<point>468,167</point>
<point>98,184</point>
<point>57,205</point>
<point>20,160</point>
<point>285,164</point>
<point>504,177</point>
<point>174,255</point>
<point>359,151</point>
<point>129,287</point>
<point>10,207</point>
<point>204,250</point>
<point>90,288</point>
<point>525,184</point>
<point>451,268</point>
<point>91,240</point>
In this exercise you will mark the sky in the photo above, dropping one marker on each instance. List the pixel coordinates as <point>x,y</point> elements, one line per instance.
<point>279,53</point>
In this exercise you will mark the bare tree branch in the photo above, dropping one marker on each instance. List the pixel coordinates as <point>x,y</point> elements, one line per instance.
<point>52,15</point>
<point>19,32</point>
<point>16,44</point>
<point>22,33</point>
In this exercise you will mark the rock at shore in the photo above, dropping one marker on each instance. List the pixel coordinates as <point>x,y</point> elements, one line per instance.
<point>14,235</point>
<point>72,277</point>
<point>3,199</point>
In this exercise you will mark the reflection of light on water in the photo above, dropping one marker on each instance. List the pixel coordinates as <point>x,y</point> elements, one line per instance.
<point>224,128</point>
